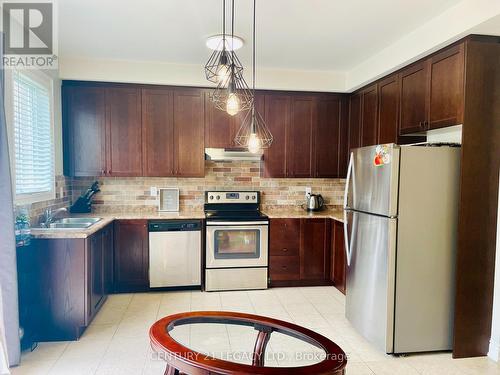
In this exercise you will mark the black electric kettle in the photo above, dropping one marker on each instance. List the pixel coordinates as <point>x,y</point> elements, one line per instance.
<point>314,202</point>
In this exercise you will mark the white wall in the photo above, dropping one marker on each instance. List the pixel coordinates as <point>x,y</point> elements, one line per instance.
<point>153,72</point>
<point>494,349</point>
<point>463,19</point>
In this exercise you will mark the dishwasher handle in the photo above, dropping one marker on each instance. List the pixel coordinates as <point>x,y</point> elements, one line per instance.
<point>175,226</point>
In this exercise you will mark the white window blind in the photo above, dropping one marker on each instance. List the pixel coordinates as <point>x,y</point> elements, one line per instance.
<point>33,144</point>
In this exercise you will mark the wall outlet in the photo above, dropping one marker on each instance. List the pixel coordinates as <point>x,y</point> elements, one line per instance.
<point>308,191</point>
<point>154,191</point>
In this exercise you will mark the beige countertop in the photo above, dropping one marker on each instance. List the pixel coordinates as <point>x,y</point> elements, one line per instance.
<point>335,213</point>
<point>109,218</point>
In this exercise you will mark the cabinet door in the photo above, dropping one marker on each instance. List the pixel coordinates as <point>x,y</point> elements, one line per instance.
<point>327,138</point>
<point>338,274</point>
<point>189,133</point>
<point>123,117</point>
<point>344,137</point>
<point>354,121</point>
<point>277,117</point>
<point>96,271</point>
<point>388,115</point>
<point>414,98</point>
<point>284,237</point>
<point>158,132</point>
<point>107,248</point>
<point>131,261</point>
<point>369,123</point>
<point>300,160</point>
<point>446,105</point>
<point>220,127</point>
<point>314,250</point>
<point>84,131</point>
<point>284,268</point>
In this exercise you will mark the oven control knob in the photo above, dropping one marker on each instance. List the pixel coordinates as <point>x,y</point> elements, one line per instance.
<point>217,197</point>
<point>247,197</point>
<point>253,197</point>
<point>211,197</point>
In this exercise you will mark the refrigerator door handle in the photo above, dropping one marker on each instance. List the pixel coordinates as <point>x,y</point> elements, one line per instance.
<point>347,243</point>
<point>348,179</point>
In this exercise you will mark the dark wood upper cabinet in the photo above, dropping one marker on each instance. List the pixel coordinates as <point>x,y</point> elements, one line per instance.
<point>84,130</point>
<point>388,111</point>
<point>354,121</point>
<point>315,249</point>
<point>131,260</point>
<point>189,133</point>
<point>220,127</point>
<point>414,98</point>
<point>369,120</point>
<point>446,103</point>
<point>277,116</point>
<point>300,161</point>
<point>123,118</point>
<point>343,155</point>
<point>327,138</point>
<point>158,132</point>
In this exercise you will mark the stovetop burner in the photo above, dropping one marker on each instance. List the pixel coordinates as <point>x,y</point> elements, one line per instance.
<point>233,205</point>
<point>235,215</point>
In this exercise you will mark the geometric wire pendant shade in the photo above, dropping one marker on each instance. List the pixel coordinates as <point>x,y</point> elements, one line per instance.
<point>232,93</point>
<point>219,64</point>
<point>218,67</point>
<point>253,132</point>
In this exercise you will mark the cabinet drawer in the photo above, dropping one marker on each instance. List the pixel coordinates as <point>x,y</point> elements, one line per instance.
<point>284,234</point>
<point>284,250</point>
<point>284,268</point>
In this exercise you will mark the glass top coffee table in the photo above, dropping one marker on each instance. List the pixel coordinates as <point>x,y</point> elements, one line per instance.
<point>217,342</point>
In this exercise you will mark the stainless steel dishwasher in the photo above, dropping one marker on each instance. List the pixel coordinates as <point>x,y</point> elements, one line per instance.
<point>174,253</point>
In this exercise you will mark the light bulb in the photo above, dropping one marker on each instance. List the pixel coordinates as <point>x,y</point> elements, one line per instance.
<point>253,143</point>
<point>232,104</point>
<point>223,74</point>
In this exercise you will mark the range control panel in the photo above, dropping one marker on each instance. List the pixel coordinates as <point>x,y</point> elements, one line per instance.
<point>232,197</point>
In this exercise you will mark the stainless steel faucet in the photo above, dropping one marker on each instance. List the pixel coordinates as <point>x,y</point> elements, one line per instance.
<point>50,215</point>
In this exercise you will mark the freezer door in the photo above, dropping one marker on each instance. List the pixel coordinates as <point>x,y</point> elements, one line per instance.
<point>370,277</point>
<point>372,180</point>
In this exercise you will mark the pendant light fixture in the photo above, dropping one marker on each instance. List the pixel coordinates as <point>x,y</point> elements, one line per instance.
<point>218,67</point>
<point>232,93</point>
<point>253,133</point>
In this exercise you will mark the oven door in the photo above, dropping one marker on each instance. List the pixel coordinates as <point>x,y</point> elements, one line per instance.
<point>236,244</point>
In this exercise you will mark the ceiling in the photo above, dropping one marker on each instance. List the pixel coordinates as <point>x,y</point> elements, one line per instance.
<point>312,35</point>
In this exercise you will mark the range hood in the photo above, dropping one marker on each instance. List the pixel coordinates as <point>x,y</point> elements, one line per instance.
<point>231,154</point>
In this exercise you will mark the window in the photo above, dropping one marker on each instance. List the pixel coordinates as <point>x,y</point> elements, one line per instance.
<point>32,143</point>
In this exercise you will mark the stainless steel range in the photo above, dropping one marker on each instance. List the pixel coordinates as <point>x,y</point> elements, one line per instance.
<point>237,236</point>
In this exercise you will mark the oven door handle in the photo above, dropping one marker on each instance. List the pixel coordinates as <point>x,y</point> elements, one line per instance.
<point>237,223</point>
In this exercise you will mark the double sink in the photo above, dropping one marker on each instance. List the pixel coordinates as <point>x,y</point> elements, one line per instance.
<point>72,223</point>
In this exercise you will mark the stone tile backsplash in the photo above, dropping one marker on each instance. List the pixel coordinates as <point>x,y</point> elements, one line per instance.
<point>62,199</point>
<point>119,194</point>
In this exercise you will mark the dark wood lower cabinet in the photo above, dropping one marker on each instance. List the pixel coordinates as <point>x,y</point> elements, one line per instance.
<point>338,265</point>
<point>299,252</point>
<point>70,283</point>
<point>131,260</point>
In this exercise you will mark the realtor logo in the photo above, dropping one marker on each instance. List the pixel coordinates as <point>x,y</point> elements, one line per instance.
<point>29,35</point>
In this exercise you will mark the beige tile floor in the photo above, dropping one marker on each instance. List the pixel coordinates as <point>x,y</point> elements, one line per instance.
<point>117,340</point>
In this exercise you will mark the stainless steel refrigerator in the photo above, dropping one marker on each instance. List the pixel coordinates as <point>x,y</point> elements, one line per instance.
<point>401,209</point>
